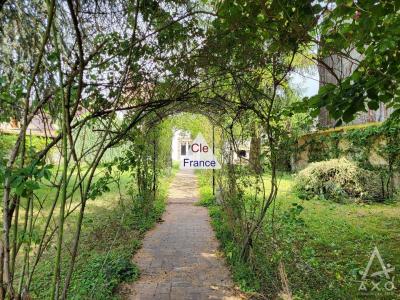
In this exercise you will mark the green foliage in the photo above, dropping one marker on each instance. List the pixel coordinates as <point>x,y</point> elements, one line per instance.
<point>145,219</point>
<point>288,130</point>
<point>241,272</point>
<point>7,141</point>
<point>110,237</point>
<point>152,59</point>
<point>253,24</point>
<point>95,278</point>
<point>338,180</point>
<point>115,267</point>
<point>371,29</point>
<point>10,99</point>
<point>207,198</point>
<point>88,138</point>
<point>25,180</point>
<point>281,242</point>
<point>100,186</point>
<point>322,244</point>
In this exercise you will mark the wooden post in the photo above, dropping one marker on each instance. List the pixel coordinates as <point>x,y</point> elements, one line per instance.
<point>213,151</point>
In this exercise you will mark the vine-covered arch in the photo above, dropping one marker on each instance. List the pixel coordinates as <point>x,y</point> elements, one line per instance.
<point>118,70</point>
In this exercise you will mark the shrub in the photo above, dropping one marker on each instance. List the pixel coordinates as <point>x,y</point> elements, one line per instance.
<point>98,277</point>
<point>338,180</point>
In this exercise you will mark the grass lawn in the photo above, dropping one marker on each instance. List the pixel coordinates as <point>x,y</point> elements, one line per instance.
<point>323,245</point>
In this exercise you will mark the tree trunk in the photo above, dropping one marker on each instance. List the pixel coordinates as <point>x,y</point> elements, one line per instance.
<point>255,150</point>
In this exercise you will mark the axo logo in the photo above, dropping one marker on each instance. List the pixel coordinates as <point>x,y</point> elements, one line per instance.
<point>378,280</point>
<point>199,156</point>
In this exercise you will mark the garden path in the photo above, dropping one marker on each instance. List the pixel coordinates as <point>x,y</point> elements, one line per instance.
<point>179,258</point>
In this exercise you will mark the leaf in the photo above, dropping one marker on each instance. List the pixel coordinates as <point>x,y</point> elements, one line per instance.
<point>373,105</point>
<point>31,185</point>
<point>348,115</point>
<point>53,56</point>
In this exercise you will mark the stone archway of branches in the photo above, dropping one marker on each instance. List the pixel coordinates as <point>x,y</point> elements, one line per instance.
<point>118,70</point>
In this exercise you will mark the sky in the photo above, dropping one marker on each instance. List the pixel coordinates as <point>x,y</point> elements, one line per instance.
<point>306,84</point>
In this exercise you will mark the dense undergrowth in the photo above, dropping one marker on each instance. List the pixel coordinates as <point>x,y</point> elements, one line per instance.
<point>112,233</point>
<point>322,245</point>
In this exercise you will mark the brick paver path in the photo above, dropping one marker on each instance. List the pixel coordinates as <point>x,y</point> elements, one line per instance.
<point>179,258</point>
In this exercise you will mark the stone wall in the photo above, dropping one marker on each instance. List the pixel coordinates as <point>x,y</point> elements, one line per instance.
<point>372,146</point>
